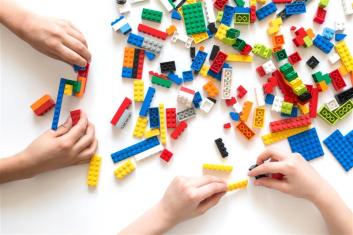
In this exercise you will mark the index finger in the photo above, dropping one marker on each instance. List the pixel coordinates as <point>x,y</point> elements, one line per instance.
<point>204,180</point>
<point>272,154</point>
<point>77,131</point>
<point>268,168</point>
<point>210,189</point>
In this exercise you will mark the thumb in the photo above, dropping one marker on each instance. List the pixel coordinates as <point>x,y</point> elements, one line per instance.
<point>64,128</point>
<point>279,185</point>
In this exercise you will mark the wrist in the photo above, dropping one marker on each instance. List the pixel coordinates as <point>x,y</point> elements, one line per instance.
<point>322,196</point>
<point>163,218</point>
<point>28,167</point>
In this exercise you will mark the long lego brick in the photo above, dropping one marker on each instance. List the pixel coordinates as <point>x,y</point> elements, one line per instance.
<point>42,105</point>
<point>344,109</point>
<point>217,167</point>
<point>246,111</point>
<point>162,125</point>
<point>135,62</point>
<point>259,118</point>
<point>59,100</point>
<point>134,149</point>
<point>93,171</point>
<point>147,101</point>
<point>152,31</point>
<point>237,185</point>
<point>199,60</point>
<point>171,117</point>
<point>179,130</point>
<point>141,60</point>
<point>123,106</point>
<point>341,149</point>
<point>239,58</point>
<point>148,153</point>
<point>281,135</point>
<point>218,62</point>
<point>313,102</point>
<point>290,123</point>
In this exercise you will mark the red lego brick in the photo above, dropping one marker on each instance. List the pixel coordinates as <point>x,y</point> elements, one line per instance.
<point>43,105</point>
<point>171,117</point>
<point>152,31</point>
<point>277,176</point>
<point>294,58</point>
<point>140,64</point>
<point>83,73</point>
<point>260,71</point>
<point>179,130</point>
<point>313,102</point>
<point>281,1</point>
<point>166,155</point>
<point>252,14</point>
<point>284,87</point>
<point>219,4</point>
<point>270,85</point>
<point>227,125</point>
<point>124,105</point>
<point>218,62</point>
<point>320,15</point>
<point>241,91</point>
<point>231,101</point>
<point>290,123</point>
<point>158,75</point>
<point>246,50</point>
<point>337,80</point>
<point>75,116</point>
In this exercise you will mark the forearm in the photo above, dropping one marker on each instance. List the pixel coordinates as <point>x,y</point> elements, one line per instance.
<point>14,168</point>
<point>338,217</point>
<point>152,222</point>
<point>13,16</point>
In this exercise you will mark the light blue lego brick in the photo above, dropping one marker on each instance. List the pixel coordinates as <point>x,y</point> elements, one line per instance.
<point>135,40</point>
<point>197,100</point>
<point>135,149</point>
<point>59,100</point>
<point>187,76</point>
<point>328,33</point>
<point>341,149</point>
<point>295,8</point>
<point>323,44</point>
<point>228,13</point>
<point>125,29</point>
<point>126,72</point>
<point>307,144</point>
<point>147,102</point>
<point>234,116</point>
<point>174,78</point>
<point>154,117</point>
<point>199,60</point>
<point>150,56</point>
<point>266,10</point>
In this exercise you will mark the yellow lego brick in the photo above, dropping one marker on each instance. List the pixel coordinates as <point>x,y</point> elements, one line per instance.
<point>180,10</point>
<point>162,126</point>
<point>345,55</point>
<point>237,185</point>
<point>199,37</point>
<point>151,133</point>
<point>68,90</point>
<point>217,167</point>
<point>252,3</point>
<point>191,1</point>
<point>244,115</point>
<point>261,1</point>
<point>125,169</point>
<point>204,71</point>
<point>323,86</point>
<point>139,90</point>
<point>295,83</point>
<point>219,16</point>
<point>281,135</point>
<point>93,170</point>
<point>239,58</point>
<point>310,33</point>
<point>259,118</point>
<point>221,32</point>
<point>140,127</point>
<point>171,29</point>
<point>304,109</point>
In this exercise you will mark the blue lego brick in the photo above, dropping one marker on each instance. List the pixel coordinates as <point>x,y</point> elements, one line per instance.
<point>197,100</point>
<point>339,36</point>
<point>234,116</point>
<point>294,113</point>
<point>328,33</point>
<point>228,13</point>
<point>187,76</point>
<point>147,102</point>
<point>175,15</point>
<point>126,72</point>
<point>349,138</point>
<point>199,60</point>
<point>295,8</point>
<point>135,149</point>
<point>209,33</point>
<point>78,68</point>
<point>150,56</point>
<point>59,101</point>
<point>241,10</point>
<point>174,78</point>
<point>266,10</point>
<point>307,144</point>
<point>323,44</point>
<point>125,29</point>
<point>135,40</point>
<point>269,99</point>
<point>341,149</point>
<point>218,75</point>
<point>154,117</point>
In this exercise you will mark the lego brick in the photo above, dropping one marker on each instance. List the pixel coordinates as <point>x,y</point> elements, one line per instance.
<point>234,116</point>
<point>221,147</point>
<point>125,117</point>
<point>75,116</point>
<point>281,135</point>
<point>134,149</point>
<point>174,78</point>
<point>217,167</point>
<point>328,116</point>
<point>135,40</point>
<point>337,80</point>
<point>320,15</point>
<point>186,114</point>
<point>194,18</point>
<point>241,18</point>
<point>332,105</point>
<point>140,127</point>
<point>259,118</point>
<point>346,56</point>
<point>226,83</point>
<point>151,133</point>
<point>262,51</point>
<point>197,100</point>
<point>166,155</point>
<point>68,90</point>
<point>161,82</point>
<point>185,96</point>
<point>227,17</point>
<point>227,125</point>
<point>333,58</point>
<point>221,32</point>
<point>149,153</point>
<point>237,185</point>
<point>277,104</point>
<point>123,106</point>
<point>147,102</point>
<point>187,76</point>
<point>295,8</point>
<point>42,105</point>
<point>344,109</point>
<point>207,104</point>
<point>180,128</point>
<point>239,58</point>
<point>245,130</point>
<point>152,45</point>
<point>286,108</point>
<point>341,149</point>
<point>290,123</point>
<point>152,31</point>
<point>266,10</point>
<point>59,100</point>
<point>241,92</point>
<point>162,128</point>
<point>167,5</point>
<point>199,60</point>
<point>313,102</point>
<point>219,4</point>
<point>139,90</point>
<point>211,89</point>
<point>245,113</point>
<point>269,99</point>
<point>152,15</point>
<point>218,62</point>
<point>125,169</point>
<point>214,51</point>
<point>187,40</point>
<point>210,16</point>
<point>168,66</point>
<point>153,117</point>
<point>328,33</point>
<point>323,44</point>
<point>94,170</point>
<point>121,24</point>
<point>344,96</point>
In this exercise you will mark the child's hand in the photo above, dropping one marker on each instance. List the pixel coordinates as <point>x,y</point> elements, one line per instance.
<point>64,147</point>
<point>56,38</point>
<point>299,180</point>
<point>186,198</point>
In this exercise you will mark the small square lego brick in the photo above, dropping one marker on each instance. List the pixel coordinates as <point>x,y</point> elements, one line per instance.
<point>312,62</point>
<point>75,116</point>
<point>294,58</point>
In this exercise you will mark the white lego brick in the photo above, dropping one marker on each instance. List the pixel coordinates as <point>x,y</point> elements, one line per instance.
<point>166,5</point>
<point>211,18</point>
<point>226,83</point>
<point>347,7</point>
<point>334,58</point>
<point>269,67</point>
<point>125,117</point>
<point>124,8</point>
<point>185,98</point>
<point>237,107</point>
<point>206,105</point>
<point>182,37</point>
<point>277,104</point>
<point>332,105</point>
<point>149,153</point>
<point>340,25</point>
<point>117,25</point>
<point>260,96</point>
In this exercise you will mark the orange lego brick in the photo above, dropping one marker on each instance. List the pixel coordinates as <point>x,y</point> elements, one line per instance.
<point>171,29</point>
<point>245,130</point>
<point>310,33</point>
<point>128,57</point>
<point>211,89</point>
<point>244,115</point>
<point>83,81</point>
<point>43,105</point>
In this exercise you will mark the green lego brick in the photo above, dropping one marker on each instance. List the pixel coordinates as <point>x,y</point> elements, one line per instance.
<point>286,68</point>
<point>152,15</point>
<point>241,18</point>
<point>161,82</point>
<point>286,108</point>
<point>291,76</point>
<point>262,51</point>
<point>219,16</point>
<point>172,3</point>
<point>327,115</point>
<point>229,41</point>
<point>344,109</point>
<point>318,77</point>
<point>281,55</point>
<point>240,3</point>
<point>232,33</point>
<point>76,85</point>
<point>194,18</point>
<point>239,44</point>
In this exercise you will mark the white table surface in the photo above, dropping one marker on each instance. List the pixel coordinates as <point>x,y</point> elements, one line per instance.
<point>60,203</point>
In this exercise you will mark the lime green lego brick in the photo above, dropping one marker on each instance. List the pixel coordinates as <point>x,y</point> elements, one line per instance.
<point>323,3</point>
<point>229,41</point>
<point>219,16</point>
<point>344,109</point>
<point>194,18</point>
<point>161,82</point>
<point>286,108</point>
<point>233,33</point>
<point>308,41</point>
<point>300,90</point>
<point>241,18</point>
<point>327,115</point>
<point>152,15</point>
<point>262,51</point>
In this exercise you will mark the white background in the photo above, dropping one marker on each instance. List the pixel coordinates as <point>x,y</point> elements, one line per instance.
<point>60,203</point>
